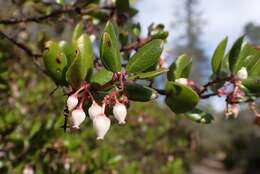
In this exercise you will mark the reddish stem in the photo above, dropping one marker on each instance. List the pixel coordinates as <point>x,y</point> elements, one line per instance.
<point>218,80</point>
<point>135,45</point>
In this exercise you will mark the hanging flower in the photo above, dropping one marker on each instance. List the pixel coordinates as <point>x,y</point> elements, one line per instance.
<point>101,124</point>
<point>94,110</point>
<point>120,112</point>
<point>78,116</point>
<point>72,102</point>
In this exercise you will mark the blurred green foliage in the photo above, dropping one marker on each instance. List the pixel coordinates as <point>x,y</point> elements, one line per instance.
<point>31,133</point>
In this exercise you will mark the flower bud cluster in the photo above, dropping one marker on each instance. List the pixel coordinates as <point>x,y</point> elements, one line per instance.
<point>101,123</point>
<point>77,115</point>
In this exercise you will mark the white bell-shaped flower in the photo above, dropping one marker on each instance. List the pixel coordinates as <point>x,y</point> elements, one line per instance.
<point>182,81</point>
<point>72,102</point>
<point>94,110</point>
<point>120,112</point>
<point>242,74</point>
<point>78,116</point>
<point>101,125</point>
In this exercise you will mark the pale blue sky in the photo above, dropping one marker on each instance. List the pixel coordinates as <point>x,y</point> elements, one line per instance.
<point>223,17</point>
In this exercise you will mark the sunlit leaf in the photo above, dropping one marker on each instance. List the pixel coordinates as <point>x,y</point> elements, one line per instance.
<point>55,62</point>
<point>81,67</point>
<point>68,50</point>
<point>146,57</point>
<point>101,77</point>
<point>179,68</point>
<point>148,75</point>
<point>109,54</point>
<point>78,30</point>
<point>218,56</point>
<point>234,53</point>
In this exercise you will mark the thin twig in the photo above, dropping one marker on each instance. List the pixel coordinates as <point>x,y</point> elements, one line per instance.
<point>53,14</point>
<point>37,19</point>
<point>106,85</point>
<point>211,83</point>
<point>160,91</point>
<point>27,50</point>
<point>53,91</point>
<point>208,95</point>
<point>135,45</point>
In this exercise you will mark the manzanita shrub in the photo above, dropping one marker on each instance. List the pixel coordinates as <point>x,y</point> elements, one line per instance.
<point>102,72</point>
<point>102,86</point>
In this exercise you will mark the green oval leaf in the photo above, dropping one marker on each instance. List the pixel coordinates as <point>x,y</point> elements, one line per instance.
<point>140,93</point>
<point>101,77</point>
<point>109,54</point>
<point>241,61</point>
<point>146,57</point>
<point>250,61</point>
<point>180,98</point>
<point>218,56</point>
<point>200,116</point>
<point>81,67</point>
<point>110,29</point>
<point>247,57</point>
<point>253,84</point>
<point>78,30</point>
<point>179,68</point>
<point>234,53</point>
<point>55,63</point>
<point>148,75</point>
<point>255,69</point>
<point>68,50</point>
<point>186,70</point>
<point>109,49</point>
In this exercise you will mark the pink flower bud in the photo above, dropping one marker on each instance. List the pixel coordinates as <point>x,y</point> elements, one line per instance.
<point>101,125</point>
<point>78,116</point>
<point>94,110</point>
<point>72,102</point>
<point>120,112</point>
<point>182,81</point>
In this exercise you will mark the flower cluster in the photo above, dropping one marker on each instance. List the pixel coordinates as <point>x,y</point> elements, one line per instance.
<point>231,89</point>
<point>96,112</point>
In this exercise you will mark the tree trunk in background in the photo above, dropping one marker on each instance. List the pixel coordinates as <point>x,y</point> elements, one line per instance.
<point>189,23</point>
